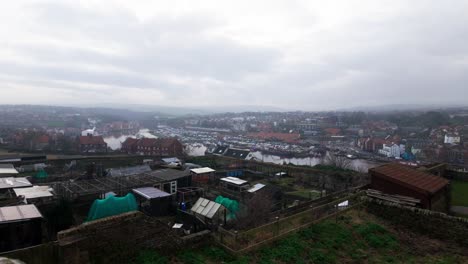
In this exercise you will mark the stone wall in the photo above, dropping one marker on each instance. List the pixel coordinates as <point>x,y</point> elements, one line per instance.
<point>115,239</point>
<point>434,224</point>
<point>456,175</point>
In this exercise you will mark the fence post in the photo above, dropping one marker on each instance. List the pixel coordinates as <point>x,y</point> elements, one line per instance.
<point>277,225</point>
<point>235,238</point>
<point>221,236</point>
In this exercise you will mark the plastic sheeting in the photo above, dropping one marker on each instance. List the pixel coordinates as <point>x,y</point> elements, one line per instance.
<point>112,205</point>
<point>231,205</point>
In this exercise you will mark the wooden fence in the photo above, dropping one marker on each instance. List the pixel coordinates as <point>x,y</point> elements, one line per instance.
<point>239,242</point>
<point>48,253</point>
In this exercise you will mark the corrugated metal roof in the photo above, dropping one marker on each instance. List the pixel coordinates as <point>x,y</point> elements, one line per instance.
<point>411,178</point>
<point>34,192</point>
<point>202,170</point>
<point>256,187</point>
<point>128,171</point>
<point>206,207</point>
<point>169,174</point>
<point>170,160</point>
<point>234,180</point>
<point>150,192</point>
<point>7,169</point>
<point>10,182</point>
<point>18,213</point>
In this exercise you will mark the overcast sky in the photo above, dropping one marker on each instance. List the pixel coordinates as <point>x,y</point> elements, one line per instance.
<point>308,55</point>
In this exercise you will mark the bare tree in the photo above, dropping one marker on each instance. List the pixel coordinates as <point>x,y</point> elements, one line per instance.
<point>337,161</point>
<point>258,211</point>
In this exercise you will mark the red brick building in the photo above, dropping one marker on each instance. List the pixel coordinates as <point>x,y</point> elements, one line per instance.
<point>393,178</point>
<point>129,145</point>
<point>92,144</point>
<point>42,142</point>
<point>153,146</point>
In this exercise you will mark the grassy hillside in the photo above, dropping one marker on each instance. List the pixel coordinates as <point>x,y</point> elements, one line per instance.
<point>354,238</point>
<point>460,193</point>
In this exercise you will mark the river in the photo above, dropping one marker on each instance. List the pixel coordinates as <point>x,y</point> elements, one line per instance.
<point>355,164</point>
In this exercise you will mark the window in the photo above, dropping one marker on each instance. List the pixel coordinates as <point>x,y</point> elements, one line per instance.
<point>170,187</point>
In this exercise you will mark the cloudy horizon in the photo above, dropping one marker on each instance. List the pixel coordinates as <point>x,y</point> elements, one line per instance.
<point>301,55</point>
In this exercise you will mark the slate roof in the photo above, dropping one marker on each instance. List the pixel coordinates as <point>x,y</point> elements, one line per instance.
<point>220,150</point>
<point>237,153</point>
<point>126,171</point>
<point>419,181</point>
<point>169,174</point>
<point>92,140</point>
<point>152,142</point>
<point>286,137</point>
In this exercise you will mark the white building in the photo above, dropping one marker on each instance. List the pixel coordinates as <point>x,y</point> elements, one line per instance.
<point>452,139</point>
<point>87,132</point>
<point>392,150</point>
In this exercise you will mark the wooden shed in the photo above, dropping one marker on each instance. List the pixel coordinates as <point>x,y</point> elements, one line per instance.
<point>393,178</point>
<point>20,227</point>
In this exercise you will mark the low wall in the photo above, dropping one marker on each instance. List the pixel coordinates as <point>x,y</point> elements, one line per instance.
<point>115,239</point>
<point>434,224</point>
<point>457,175</point>
<point>41,254</point>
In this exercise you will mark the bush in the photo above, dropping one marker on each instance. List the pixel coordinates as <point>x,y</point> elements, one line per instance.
<point>150,257</point>
<point>217,254</point>
<point>288,249</point>
<point>189,257</point>
<point>320,256</point>
<point>376,236</point>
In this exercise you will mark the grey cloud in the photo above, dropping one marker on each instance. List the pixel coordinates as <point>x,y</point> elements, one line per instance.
<point>419,56</point>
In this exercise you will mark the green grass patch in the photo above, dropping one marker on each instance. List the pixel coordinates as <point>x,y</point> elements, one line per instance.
<point>460,193</point>
<point>349,239</point>
<point>150,257</point>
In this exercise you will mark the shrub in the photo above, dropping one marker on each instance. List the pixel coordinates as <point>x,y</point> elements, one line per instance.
<point>376,236</point>
<point>319,256</point>
<point>217,254</point>
<point>189,257</point>
<point>150,257</point>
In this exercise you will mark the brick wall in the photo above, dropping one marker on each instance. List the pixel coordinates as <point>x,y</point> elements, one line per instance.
<point>115,239</point>
<point>434,224</point>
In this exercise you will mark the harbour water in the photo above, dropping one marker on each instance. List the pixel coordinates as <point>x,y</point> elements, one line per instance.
<point>355,164</point>
<point>197,149</point>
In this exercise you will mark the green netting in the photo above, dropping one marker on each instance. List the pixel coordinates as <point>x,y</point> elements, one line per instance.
<point>112,206</point>
<point>231,205</point>
<point>41,174</point>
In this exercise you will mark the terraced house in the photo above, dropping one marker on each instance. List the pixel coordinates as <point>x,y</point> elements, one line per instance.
<point>153,146</point>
